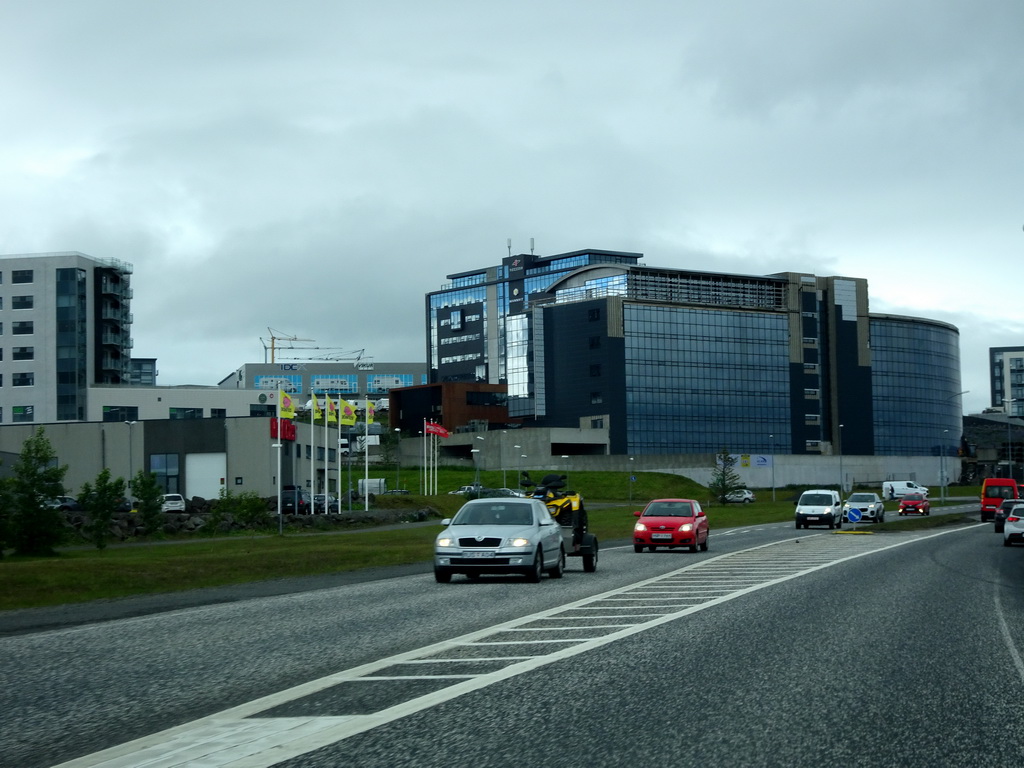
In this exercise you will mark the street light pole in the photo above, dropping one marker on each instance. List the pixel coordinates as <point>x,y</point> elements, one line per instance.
<point>131,465</point>
<point>771,440</point>
<point>942,466</point>
<point>398,458</point>
<point>840,461</point>
<point>1009,450</point>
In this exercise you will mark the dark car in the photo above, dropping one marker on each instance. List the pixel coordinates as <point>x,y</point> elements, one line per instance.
<point>65,504</point>
<point>295,501</point>
<point>1003,512</point>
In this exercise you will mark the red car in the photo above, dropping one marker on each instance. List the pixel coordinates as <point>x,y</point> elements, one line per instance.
<point>671,523</point>
<point>915,504</point>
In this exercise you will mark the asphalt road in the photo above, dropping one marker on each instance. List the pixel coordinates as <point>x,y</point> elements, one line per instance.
<point>903,656</point>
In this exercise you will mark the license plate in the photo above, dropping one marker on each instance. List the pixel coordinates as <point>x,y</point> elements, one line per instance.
<point>661,536</point>
<point>478,554</point>
<point>813,518</point>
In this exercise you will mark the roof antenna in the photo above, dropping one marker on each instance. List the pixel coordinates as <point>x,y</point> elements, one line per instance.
<point>508,244</point>
<point>531,246</point>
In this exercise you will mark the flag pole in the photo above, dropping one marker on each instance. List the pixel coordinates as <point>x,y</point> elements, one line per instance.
<point>366,453</point>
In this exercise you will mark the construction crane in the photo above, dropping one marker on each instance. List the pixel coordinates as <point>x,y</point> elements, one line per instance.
<point>356,356</point>
<point>274,338</point>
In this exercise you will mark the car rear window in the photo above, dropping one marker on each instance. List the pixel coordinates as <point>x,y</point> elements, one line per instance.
<point>669,509</point>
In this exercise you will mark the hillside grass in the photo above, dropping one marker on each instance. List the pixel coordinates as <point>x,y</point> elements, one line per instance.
<point>82,574</point>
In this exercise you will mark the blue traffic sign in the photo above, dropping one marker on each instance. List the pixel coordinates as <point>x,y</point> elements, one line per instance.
<point>853,515</point>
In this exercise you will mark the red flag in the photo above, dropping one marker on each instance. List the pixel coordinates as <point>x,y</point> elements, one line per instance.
<point>436,429</point>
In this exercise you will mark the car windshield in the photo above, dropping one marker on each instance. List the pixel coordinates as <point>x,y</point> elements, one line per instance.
<point>495,514</point>
<point>816,500</point>
<point>669,509</point>
<point>862,497</point>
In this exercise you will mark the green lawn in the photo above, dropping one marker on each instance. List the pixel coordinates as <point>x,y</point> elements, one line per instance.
<point>81,574</point>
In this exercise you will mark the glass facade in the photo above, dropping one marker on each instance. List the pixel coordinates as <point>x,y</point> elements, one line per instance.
<point>916,384</point>
<point>700,380</point>
<point>72,349</point>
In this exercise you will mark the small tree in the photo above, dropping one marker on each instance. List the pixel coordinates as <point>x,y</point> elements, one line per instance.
<point>724,478</point>
<point>5,513</point>
<point>100,502</point>
<point>149,499</point>
<point>35,525</point>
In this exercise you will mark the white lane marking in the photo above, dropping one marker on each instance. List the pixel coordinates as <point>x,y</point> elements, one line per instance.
<point>1007,637</point>
<point>240,738</point>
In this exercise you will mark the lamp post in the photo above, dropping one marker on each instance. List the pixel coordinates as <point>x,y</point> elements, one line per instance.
<point>398,458</point>
<point>501,459</point>
<point>771,440</point>
<point>840,461</point>
<point>1009,450</point>
<point>480,459</point>
<point>942,466</point>
<point>519,476</point>
<point>630,482</point>
<point>131,466</point>
<point>476,463</point>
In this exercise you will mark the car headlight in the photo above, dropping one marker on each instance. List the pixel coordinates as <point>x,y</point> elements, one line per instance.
<point>686,527</point>
<point>640,527</point>
<point>447,541</point>
<point>519,541</point>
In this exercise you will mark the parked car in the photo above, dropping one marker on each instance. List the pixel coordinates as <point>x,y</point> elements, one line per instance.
<point>1013,528</point>
<point>64,504</point>
<point>295,501</point>
<point>467,490</point>
<point>498,536</point>
<point>741,496</point>
<point>870,505</point>
<point>671,523</point>
<point>173,502</point>
<point>1004,511</point>
<point>396,492</point>
<point>819,506</point>
<point>318,504</point>
<point>915,504</point>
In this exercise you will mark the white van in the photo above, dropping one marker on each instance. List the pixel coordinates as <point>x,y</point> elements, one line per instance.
<point>819,507</point>
<point>897,489</point>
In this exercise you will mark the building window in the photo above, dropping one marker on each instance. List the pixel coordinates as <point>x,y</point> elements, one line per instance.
<point>185,413</point>
<point>218,413</point>
<point>21,276</point>
<point>596,398</point>
<point>23,413</point>
<point>23,379</point>
<point>594,314</point>
<point>595,342</point>
<point>22,328</point>
<point>595,369</point>
<point>165,467</point>
<point>120,413</point>
<point>21,302</point>
<point>597,423</point>
<point>455,320</point>
<point>23,353</point>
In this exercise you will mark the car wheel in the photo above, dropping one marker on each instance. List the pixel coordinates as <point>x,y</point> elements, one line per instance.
<point>798,525</point>
<point>537,570</point>
<point>442,575</point>
<point>693,547</point>
<point>1006,542</point>
<point>638,548</point>
<point>590,561</point>
<point>559,569</point>
<point>704,546</point>
<point>747,501</point>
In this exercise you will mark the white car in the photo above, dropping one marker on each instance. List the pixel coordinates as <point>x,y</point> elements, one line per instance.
<point>500,535</point>
<point>741,496</point>
<point>1013,526</point>
<point>173,502</point>
<point>870,505</point>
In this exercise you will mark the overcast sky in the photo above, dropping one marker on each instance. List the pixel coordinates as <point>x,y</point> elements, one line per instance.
<point>317,167</point>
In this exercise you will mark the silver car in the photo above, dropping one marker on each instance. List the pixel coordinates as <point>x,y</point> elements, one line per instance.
<point>500,535</point>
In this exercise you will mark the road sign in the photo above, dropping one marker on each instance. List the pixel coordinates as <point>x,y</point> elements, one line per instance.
<point>853,515</point>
